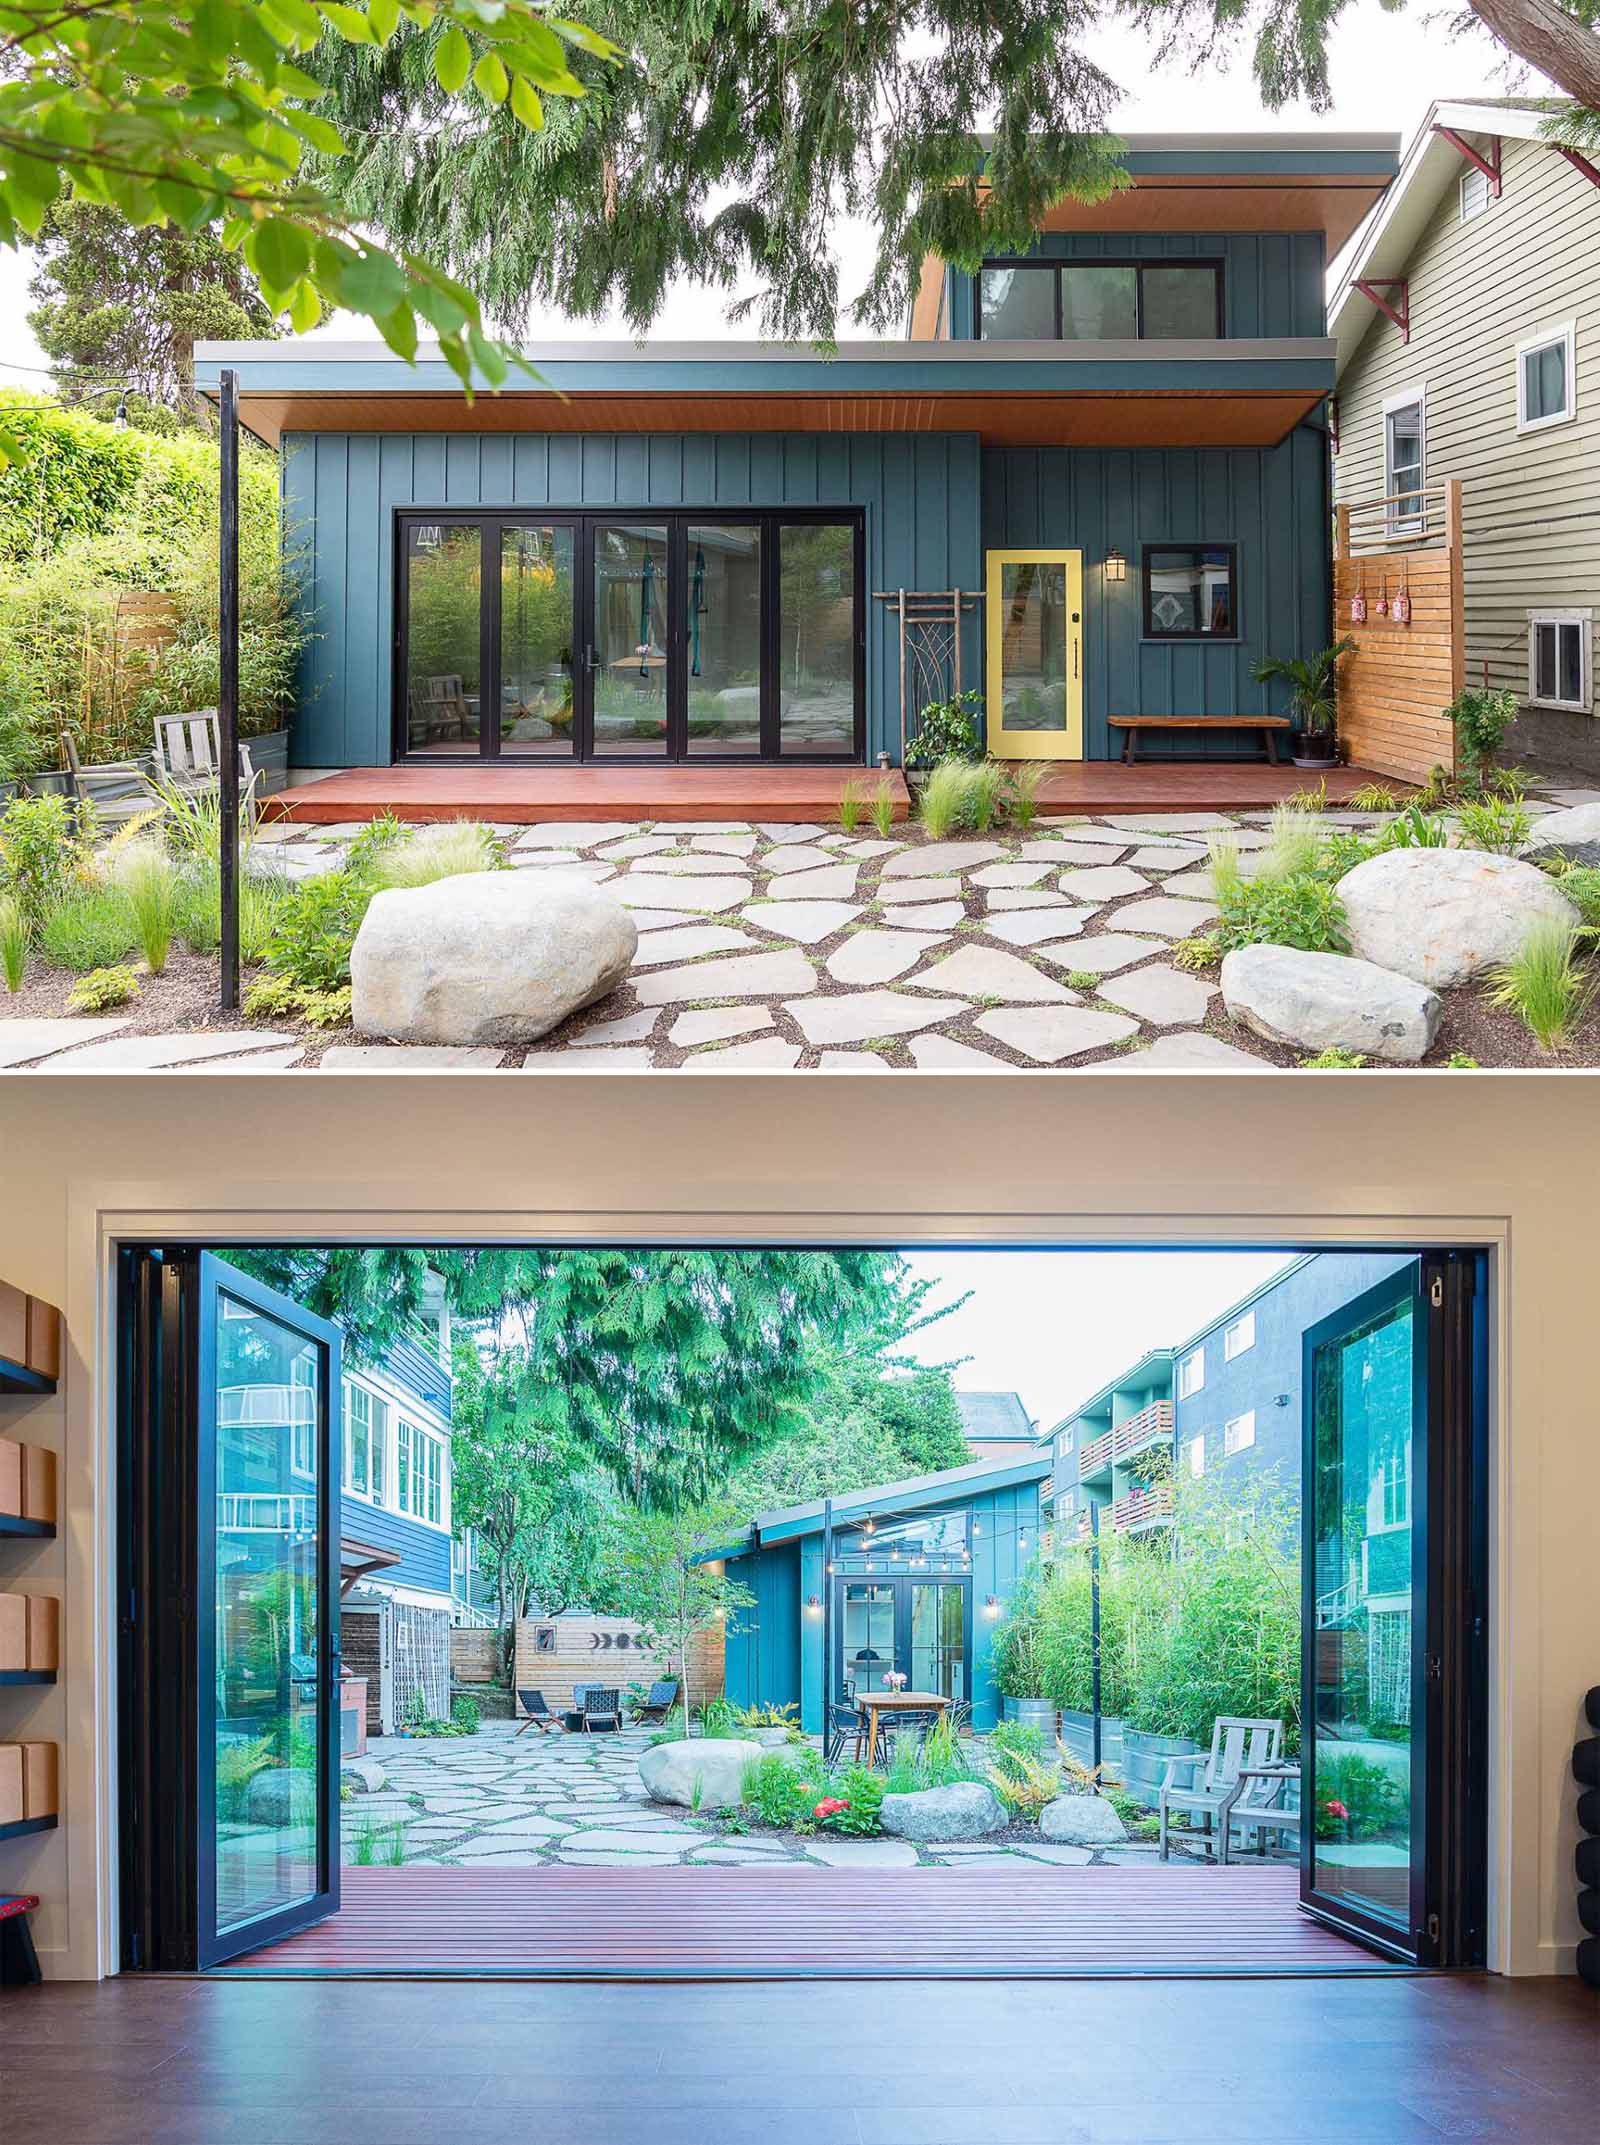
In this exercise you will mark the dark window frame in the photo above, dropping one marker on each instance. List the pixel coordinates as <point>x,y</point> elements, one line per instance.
<point>1037,265</point>
<point>677,520</point>
<point>1151,632</point>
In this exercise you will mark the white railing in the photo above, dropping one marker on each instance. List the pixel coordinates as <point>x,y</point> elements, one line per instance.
<point>266,1512</point>
<point>266,1407</point>
<point>1428,516</point>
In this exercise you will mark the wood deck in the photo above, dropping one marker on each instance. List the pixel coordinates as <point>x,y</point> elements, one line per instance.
<point>522,795</point>
<point>748,1923</point>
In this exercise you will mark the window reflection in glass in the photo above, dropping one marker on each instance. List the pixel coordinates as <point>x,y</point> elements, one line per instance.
<point>1099,303</point>
<point>630,639</point>
<point>536,617</point>
<point>724,636</point>
<point>817,637</point>
<point>1017,304</point>
<point>1189,593</point>
<point>444,599</point>
<point>1033,645</point>
<point>1179,302</point>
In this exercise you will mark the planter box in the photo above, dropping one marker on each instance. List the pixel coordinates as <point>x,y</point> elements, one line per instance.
<point>1144,1760</point>
<point>1077,1733</point>
<point>269,756</point>
<point>54,783</point>
<point>1037,1713</point>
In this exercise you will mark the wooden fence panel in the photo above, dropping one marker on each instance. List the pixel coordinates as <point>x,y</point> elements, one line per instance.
<point>475,1654</point>
<point>1395,687</point>
<point>554,1653</point>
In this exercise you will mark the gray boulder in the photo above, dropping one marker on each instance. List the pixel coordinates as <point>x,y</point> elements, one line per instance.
<point>967,1810</point>
<point>1081,1821</point>
<point>1444,916</point>
<point>362,1776</point>
<point>281,1797</point>
<point>705,1772</point>
<point>493,957</point>
<point>1575,832</point>
<point>1319,1001</point>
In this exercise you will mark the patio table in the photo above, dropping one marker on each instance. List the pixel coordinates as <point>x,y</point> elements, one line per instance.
<point>873,1705</point>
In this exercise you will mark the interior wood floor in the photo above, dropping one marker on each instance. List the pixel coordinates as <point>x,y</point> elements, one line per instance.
<point>1401,2061</point>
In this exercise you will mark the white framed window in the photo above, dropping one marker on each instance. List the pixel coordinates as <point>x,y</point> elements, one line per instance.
<point>1239,1432</point>
<point>1064,1445</point>
<point>1546,391</point>
<point>1405,454</point>
<point>303,1414</point>
<point>366,1426</point>
<point>1239,1336</point>
<point>1191,1373</point>
<point>1560,651</point>
<point>1194,1453</point>
<point>1397,1487</point>
<point>1475,194</point>
<point>419,1472</point>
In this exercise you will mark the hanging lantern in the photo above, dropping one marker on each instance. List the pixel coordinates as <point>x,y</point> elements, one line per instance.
<point>1383,597</point>
<point>1358,605</point>
<point>1400,611</point>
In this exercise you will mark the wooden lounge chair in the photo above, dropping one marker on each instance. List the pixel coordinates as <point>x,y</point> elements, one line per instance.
<point>115,791</point>
<point>599,1704</point>
<point>1268,1800</point>
<point>1236,1744</point>
<point>535,1713</point>
<point>662,1698</point>
<point>188,754</point>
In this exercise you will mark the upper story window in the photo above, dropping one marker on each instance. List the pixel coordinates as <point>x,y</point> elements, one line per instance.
<point>1064,1445</point>
<point>1560,645</point>
<point>1195,1454</point>
<point>1545,391</point>
<point>1099,301</point>
<point>1404,456</point>
<point>1239,1336</point>
<point>1240,1432</point>
<point>1190,592</point>
<point>366,1421</point>
<point>1396,1485</point>
<point>419,1472</point>
<point>1191,1373</point>
<point>1475,195</point>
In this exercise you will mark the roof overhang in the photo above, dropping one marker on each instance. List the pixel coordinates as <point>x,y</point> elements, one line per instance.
<point>1431,166</point>
<point>1234,392</point>
<point>359,1560</point>
<point>916,1494</point>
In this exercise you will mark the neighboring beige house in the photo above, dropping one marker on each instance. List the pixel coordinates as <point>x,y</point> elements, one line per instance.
<point>1467,317</point>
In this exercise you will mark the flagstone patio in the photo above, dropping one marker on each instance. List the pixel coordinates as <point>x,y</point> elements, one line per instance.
<point>502,1800</point>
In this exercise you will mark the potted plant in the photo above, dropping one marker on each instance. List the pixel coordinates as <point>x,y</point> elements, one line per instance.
<point>1019,1673</point>
<point>1313,700</point>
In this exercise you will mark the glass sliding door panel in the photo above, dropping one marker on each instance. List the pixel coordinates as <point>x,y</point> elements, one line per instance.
<point>537,588</point>
<point>1033,646</point>
<point>724,638</point>
<point>269,1616</point>
<point>867,1635</point>
<point>631,634</point>
<point>939,1640</point>
<point>444,608</point>
<point>817,603</point>
<point>1364,1431</point>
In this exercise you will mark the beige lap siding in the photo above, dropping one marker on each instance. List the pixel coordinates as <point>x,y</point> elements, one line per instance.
<point>1531,500</point>
<point>606,1650</point>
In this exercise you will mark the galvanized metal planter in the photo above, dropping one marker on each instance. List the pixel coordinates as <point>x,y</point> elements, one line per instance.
<point>1144,1759</point>
<point>1077,1733</point>
<point>1037,1713</point>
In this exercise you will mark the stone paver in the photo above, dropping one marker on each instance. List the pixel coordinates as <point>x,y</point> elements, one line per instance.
<point>1101,882</point>
<point>688,943</point>
<point>809,922</point>
<point>863,1854</point>
<point>1033,927</point>
<point>149,1053</point>
<point>770,1054</point>
<point>835,882</point>
<point>709,896</point>
<point>988,972</point>
<point>631,1028</point>
<point>868,1014</point>
<point>928,916</point>
<point>21,1040</point>
<point>1048,1034</point>
<point>1169,917</point>
<point>1010,874</point>
<point>1107,951</point>
<point>878,956</point>
<point>941,1053</point>
<point>784,974</point>
<point>796,856</point>
<point>896,891</point>
<point>1189,1053</point>
<point>852,1061</point>
<point>421,1057</point>
<point>1166,997</point>
<point>716,1025</point>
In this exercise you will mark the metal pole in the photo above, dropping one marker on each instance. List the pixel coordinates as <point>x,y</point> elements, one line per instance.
<point>228,688</point>
<point>827,1621</point>
<point>1094,1630</point>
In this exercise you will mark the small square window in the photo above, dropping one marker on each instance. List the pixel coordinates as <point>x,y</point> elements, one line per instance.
<point>1195,1451</point>
<point>1545,388</point>
<point>1475,195</point>
<point>1404,457</point>
<point>1190,592</point>
<point>1239,1336</point>
<point>1239,1433</point>
<point>1560,647</point>
<point>1191,1373</point>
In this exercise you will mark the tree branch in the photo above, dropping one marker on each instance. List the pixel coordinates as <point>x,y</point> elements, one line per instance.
<point>1547,37</point>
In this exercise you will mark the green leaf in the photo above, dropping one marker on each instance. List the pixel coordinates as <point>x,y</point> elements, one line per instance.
<point>305,307</point>
<point>452,60</point>
<point>350,23</point>
<point>279,252</point>
<point>489,357</point>
<point>384,15</point>
<point>525,103</point>
<point>490,78</point>
<point>317,132</point>
<point>399,331</point>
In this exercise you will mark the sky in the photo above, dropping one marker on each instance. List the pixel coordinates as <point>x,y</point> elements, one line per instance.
<point>1055,1325</point>
<point>1385,69</point>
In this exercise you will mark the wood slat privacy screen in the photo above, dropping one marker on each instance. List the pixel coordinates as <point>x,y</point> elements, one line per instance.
<point>554,1653</point>
<point>1395,688</point>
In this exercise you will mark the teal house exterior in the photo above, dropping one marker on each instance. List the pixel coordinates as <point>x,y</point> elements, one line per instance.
<point>693,554</point>
<point>907,1577</point>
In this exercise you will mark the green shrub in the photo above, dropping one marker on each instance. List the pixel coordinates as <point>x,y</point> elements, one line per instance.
<point>947,730</point>
<point>91,929</point>
<point>775,1791</point>
<point>1501,825</point>
<point>13,942</point>
<point>1481,718</point>
<point>883,808</point>
<point>466,1713</point>
<point>446,851</point>
<point>946,798</point>
<point>281,998</point>
<point>1023,785</point>
<point>1581,885</point>
<point>44,854</point>
<point>853,801</point>
<point>1545,984</point>
<point>1334,1059</point>
<point>862,1791</point>
<point>987,788</point>
<point>311,940</point>
<point>103,988</point>
<point>1299,910</point>
<point>1358,1799</point>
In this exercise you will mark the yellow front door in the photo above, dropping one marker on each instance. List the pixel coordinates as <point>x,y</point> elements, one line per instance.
<point>1034,624</point>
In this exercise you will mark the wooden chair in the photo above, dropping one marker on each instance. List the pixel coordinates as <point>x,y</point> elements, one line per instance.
<point>535,1713</point>
<point>115,791</point>
<point>662,1698</point>
<point>1268,1800</point>
<point>1236,1745</point>
<point>188,753</point>
<point>598,1703</point>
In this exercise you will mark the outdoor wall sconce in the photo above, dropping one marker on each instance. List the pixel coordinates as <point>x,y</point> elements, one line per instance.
<point>1116,565</point>
<point>813,1605</point>
<point>991,1606</point>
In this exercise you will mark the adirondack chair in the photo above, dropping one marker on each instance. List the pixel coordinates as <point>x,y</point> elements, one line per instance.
<point>188,753</point>
<point>1268,1800</point>
<point>1235,1745</point>
<point>115,791</point>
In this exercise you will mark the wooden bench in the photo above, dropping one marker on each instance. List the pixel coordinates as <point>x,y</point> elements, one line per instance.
<point>1131,725</point>
<point>19,1962</point>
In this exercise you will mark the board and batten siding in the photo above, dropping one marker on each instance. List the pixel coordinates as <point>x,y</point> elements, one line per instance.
<point>920,497</point>
<point>1530,500</point>
<point>1270,502</point>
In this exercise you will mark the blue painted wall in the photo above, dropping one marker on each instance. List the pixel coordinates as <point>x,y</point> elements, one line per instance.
<point>424,1551</point>
<point>763,1639</point>
<point>920,495</point>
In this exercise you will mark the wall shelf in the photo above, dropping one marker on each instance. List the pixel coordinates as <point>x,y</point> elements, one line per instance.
<point>12,1677</point>
<point>30,1342</point>
<point>21,1825</point>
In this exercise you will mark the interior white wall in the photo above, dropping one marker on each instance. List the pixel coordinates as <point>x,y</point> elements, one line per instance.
<point>1023,1158</point>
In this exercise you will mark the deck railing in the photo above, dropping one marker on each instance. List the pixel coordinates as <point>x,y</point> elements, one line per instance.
<point>1152,1425</point>
<point>1150,1507</point>
<point>1429,517</point>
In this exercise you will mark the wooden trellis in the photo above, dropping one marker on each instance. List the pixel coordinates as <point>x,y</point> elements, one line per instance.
<point>928,623</point>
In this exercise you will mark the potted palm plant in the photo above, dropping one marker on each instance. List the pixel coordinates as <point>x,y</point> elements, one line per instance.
<point>1313,700</point>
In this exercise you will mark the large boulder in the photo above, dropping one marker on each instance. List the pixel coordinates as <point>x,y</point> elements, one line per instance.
<point>279,1796</point>
<point>1443,916</point>
<point>1575,832</point>
<point>967,1810</point>
<point>1320,1001</point>
<point>1082,1821</point>
<point>706,1772</point>
<point>491,957</point>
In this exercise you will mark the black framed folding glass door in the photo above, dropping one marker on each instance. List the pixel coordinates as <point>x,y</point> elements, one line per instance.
<point>1393,1701</point>
<point>917,1628</point>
